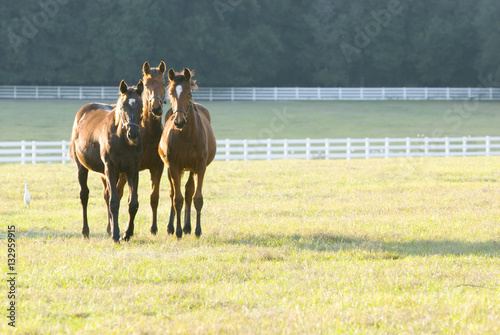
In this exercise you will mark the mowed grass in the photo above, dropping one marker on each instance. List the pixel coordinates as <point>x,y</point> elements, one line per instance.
<point>392,246</point>
<point>53,120</point>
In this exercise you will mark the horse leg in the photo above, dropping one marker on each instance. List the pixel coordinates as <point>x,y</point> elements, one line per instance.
<point>83,174</point>
<point>170,228</point>
<point>114,201</point>
<point>189,199</point>
<point>178,199</point>
<point>198,200</point>
<point>133,204</point>
<point>106,200</point>
<point>155,195</point>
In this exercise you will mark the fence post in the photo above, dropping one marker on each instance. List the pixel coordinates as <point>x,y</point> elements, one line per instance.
<point>211,98</point>
<point>58,92</point>
<point>33,152</point>
<point>327,149</point>
<point>15,92</point>
<point>285,148</point>
<point>319,93</point>
<point>308,148</point>
<point>348,149</point>
<point>426,146</point>
<point>81,92</point>
<point>232,93</point>
<point>23,152</point>
<point>383,94</point>
<point>408,148</point>
<point>36,92</point>
<point>367,147</point>
<point>245,150</point>
<point>426,93</point>
<point>464,146</point>
<point>447,146</point>
<point>448,93</point>
<point>387,147</point>
<point>102,92</point>
<point>488,146</point>
<point>275,94</point>
<point>227,150</point>
<point>405,93</point>
<point>491,93</point>
<point>268,149</point>
<point>63,154</point>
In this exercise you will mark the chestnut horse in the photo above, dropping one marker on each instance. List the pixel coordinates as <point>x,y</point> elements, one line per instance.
<point>153,97</point>
<point>187,144</point>
<point>109,142</point>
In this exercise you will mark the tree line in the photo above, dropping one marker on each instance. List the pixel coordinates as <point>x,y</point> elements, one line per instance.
<point>253,42</point>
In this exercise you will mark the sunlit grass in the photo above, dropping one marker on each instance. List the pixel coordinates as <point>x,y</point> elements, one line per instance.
<point>361,246</point>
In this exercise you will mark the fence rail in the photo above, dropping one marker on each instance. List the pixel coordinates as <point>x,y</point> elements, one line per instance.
<point>270,149</point>
<point>264,93</point>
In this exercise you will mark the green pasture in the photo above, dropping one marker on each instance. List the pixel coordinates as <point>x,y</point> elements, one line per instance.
<point>52,120</point>
<point>394,246</point>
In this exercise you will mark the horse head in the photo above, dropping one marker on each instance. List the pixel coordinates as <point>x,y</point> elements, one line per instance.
<point>128,111</point>
<point>180,92</point>
<point>154,84</point>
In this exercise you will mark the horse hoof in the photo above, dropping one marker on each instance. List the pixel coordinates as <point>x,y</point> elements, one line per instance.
<point>125,238</point>
<point>179,234</point>
<point>85,234</point>
<point>153,230</point>
<point>170,230</point>
<point>198,233</point>
<point>187,230</point>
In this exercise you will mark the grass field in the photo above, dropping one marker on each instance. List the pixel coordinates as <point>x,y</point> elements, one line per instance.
<point>292,247</point>
<point>52,120</point>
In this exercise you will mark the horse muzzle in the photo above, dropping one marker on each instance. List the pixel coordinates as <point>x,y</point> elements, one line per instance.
<point>133,134</point>
<point>180,124</point>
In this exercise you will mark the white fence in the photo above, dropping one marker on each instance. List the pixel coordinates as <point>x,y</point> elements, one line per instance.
<point>263,93</point>
<point>36,151</point>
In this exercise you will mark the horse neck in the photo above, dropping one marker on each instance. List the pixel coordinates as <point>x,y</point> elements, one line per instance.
<point>149,120</point>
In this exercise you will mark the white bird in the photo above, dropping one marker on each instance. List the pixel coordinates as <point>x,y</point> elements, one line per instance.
<point>27,195</point>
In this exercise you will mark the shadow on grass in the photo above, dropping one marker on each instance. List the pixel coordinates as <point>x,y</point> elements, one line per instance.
<point>385,249</point>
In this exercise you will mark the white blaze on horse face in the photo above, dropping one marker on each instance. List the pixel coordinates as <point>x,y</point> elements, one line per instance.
<point>131,102</point>
<point>178,89</point>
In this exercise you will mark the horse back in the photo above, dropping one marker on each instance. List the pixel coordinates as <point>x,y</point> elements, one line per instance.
<point>90,132</point>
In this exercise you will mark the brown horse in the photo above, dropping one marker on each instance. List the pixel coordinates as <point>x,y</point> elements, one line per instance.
<point>187,144</point>
<point>109,142</point>
<point>153,97</point>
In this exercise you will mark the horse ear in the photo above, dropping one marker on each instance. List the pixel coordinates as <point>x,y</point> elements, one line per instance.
<point>187,74</point>
<point>146,68</point>
<point>162,67</point>
<point>171,74</point>
<point>140,87</point>
<point>123,87</point>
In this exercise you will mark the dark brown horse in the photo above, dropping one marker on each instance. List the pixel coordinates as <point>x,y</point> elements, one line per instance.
<point>153,97</point>
<point>109,142</point>
<point>187,144</point>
